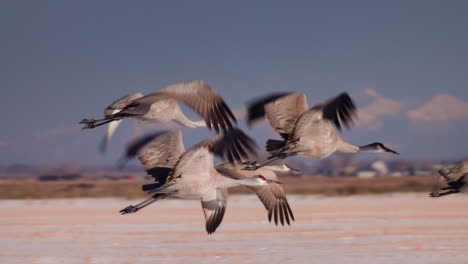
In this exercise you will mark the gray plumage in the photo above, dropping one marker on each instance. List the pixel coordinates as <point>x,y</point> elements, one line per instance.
<point>456,177</point>
<point>308,132</point>
<point>162,106</point>
<point>271,195</point>
<point>193,175</point>
<point>121,103</point>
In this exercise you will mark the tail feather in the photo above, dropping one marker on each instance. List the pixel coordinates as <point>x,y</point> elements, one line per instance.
<point>273,145</point>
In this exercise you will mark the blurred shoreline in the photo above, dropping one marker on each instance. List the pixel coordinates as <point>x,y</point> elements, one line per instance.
<point>328,186</point>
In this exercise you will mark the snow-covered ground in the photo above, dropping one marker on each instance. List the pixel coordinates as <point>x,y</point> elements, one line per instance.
<point>397,228</point>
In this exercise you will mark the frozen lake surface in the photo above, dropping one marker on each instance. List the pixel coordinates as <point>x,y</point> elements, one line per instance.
<point>396,228</point>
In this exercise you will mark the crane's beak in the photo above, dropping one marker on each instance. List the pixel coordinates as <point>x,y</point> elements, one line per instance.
<point>273,181</point>
<point>391,151</point>
<point>292,169</point>
<point>295,170</point>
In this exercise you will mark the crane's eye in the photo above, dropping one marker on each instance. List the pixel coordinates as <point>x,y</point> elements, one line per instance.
<point>261,177</point>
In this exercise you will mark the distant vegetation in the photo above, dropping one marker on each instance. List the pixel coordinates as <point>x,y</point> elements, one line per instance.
<point>337,165</point>
<point>32,189</point>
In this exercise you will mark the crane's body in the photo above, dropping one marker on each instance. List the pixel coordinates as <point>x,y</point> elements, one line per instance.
<point>310,133</point>
<point>191,174</point>
<point>456,177</point>
<point>162,106</point>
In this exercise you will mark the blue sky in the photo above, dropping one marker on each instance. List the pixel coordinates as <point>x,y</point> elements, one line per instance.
<point>62,61</point>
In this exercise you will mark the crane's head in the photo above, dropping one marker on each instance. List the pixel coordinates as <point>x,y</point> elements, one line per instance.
<point>377,147</point>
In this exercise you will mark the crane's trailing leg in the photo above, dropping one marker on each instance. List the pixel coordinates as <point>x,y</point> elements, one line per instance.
<point>134,208</point>
<point>278,150</point>
<point>92,123</point>
<point>437,194</point>
<point>254,165</point>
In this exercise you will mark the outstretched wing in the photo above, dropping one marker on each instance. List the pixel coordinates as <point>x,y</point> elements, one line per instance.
<point>158,149</point>
<point>233,145</point>
<point>271,195</point>
<point>158,152</point>
<point>282,110</point>
<point>338,111</point>
<point>196,162</point>
<point>163,151</point>
<point>456,175</point>
<point>214,205</point>
<point>199,96</point>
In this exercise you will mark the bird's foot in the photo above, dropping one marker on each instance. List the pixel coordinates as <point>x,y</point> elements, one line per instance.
<point>294,143</point>
<point>434,194</point>
<point>89,123</point>
<point>129,209</point>
<point>251,167</point>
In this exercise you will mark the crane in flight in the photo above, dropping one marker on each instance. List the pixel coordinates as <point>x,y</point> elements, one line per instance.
<point>191,174</point>
<point>162,106</point>
<point>456,177</point>
<point>307,132</point>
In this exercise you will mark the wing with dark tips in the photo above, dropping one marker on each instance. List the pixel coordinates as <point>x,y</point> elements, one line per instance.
<point>199,96</point>
<point>271,195</point>
<point>256,108</point>
<point>159,149</point>
<point>282,111</point>
<point>233,145</point>
<point>319,120</point>
<point>214,206</point>
<point>340,110</point>
<point>455,175</point>
<point>158,152</point>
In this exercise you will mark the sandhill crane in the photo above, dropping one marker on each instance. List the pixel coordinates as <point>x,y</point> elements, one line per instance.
<point>271,195</point>
<point>161,106</point>
<point>306,132</point>
<point>456,177</point>
<point>191,174</point>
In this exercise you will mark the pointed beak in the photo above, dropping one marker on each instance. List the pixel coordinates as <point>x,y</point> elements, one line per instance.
<point>391,151</point>
<point>273,181</point>
<point>292,169</point>
<point>295,170</point>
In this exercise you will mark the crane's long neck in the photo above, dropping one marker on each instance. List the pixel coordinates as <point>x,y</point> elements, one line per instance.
<point>346,147</point>
<point>181,119</point>
<point>225,182</point>
<point>369,148</point>
<point>189,123</point>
